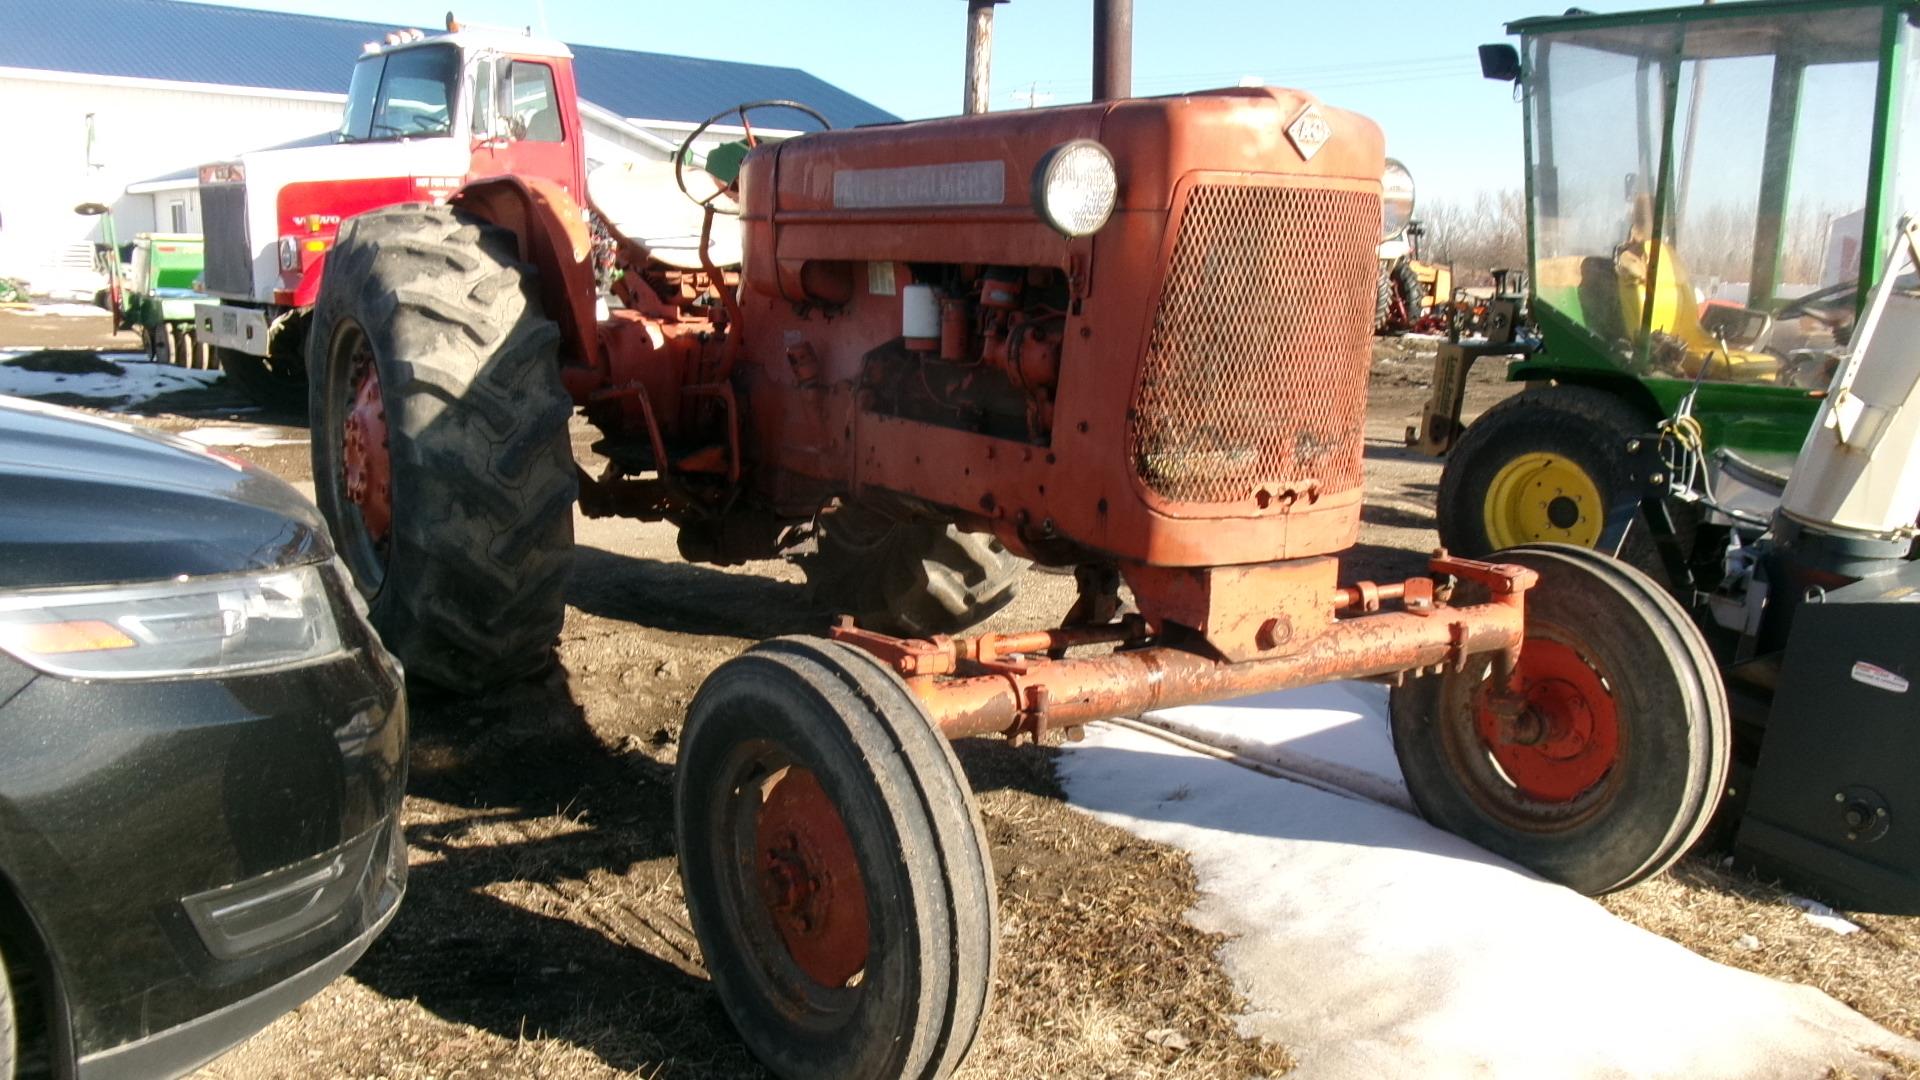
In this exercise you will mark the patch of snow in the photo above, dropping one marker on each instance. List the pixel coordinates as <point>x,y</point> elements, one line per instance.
<point>252,435</point>
<point>1372,944</point>
<point>65,310</point>
<point>141,381</point>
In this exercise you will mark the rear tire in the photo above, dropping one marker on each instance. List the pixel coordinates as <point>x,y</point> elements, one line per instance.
<point>915,578</point>
<point>466,569</point>
<point>9,1028</point>
<point>834,866</point>
<point>1633,741</point>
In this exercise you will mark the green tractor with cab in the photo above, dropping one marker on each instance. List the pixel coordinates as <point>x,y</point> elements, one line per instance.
<point>1709,190</point>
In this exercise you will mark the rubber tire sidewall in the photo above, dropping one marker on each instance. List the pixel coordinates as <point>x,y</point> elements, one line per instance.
<point>916,833</point>
<point>1674,731</point>
<point>466,632</point>
<point>1587,426</point>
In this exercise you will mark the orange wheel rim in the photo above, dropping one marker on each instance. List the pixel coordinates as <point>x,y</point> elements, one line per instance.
<point>810,879</point>
<point>1556,733</point>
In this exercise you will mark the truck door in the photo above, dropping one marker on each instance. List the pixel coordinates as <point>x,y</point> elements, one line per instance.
<point>525,126</point>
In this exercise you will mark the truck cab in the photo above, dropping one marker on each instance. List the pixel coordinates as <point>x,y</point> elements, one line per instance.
<point>425,113</point>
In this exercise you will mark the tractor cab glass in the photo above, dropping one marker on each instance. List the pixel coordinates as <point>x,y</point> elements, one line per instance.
<point>1699,186</point>
<point>408,94</point>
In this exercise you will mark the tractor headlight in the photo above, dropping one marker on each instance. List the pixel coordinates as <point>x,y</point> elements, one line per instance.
<point>289,253</point>
<point>1396,200</point>
<point>1074,187</point>
<point>234,622</point>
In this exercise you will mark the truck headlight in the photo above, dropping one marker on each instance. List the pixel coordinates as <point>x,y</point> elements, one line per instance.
<point>1074,187</point>
<point>158,630</point>
<point>1396,200</point>
<point>289,253</point>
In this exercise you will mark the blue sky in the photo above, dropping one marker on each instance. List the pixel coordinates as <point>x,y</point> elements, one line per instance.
<point>1411,67</point>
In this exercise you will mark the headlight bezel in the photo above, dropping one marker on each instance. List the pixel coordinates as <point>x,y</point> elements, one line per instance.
<point>1060,166</point>
<point>289,252</point>
<point>1396,200</point>
<point>244,623</point>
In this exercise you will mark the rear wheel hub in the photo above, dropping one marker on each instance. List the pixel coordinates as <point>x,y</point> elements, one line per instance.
<point>365,462</point>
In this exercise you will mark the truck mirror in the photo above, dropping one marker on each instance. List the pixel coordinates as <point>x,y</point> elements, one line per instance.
<point>1500,61</point>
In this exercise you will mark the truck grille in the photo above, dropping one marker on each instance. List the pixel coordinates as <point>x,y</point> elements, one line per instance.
<point>228,250</point>
<point>1255,373</point>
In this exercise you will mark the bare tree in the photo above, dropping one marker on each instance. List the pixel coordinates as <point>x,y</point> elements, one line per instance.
<point>1476,235</point>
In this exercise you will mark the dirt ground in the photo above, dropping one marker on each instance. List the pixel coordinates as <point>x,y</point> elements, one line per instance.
<point>544,935</point>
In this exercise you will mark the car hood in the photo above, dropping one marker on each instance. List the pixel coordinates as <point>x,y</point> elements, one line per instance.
<point>85,500</point>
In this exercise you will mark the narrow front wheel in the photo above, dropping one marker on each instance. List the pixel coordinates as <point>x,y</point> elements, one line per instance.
<point>1605,757</point>
<point>834,866</point>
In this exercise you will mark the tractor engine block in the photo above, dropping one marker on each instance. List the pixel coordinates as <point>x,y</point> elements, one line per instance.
<point>1183,387</point>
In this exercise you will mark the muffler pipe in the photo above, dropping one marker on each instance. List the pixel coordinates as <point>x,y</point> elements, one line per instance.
<point>1112,49</point>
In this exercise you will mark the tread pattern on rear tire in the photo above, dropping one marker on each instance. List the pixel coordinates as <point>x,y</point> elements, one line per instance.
<point>483,473</point>
<point>917,579</point>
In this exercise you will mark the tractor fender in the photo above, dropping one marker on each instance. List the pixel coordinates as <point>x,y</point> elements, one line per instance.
<point>551,229</point>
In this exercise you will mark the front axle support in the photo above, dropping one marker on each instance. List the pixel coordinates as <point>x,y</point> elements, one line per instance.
<point>1006,684</point>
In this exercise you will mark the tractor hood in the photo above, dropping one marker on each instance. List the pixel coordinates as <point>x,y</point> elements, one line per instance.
<point>92,501</point>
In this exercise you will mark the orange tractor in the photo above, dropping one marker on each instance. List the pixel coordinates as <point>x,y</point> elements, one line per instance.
<point>1129,337</point>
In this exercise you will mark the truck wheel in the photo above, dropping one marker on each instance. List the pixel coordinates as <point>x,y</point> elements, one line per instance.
<point>1543,466</point>
<point>834,866</point>
<point>1618,750</point>
<point>440,451</point>
<point>915,578</point>
<point>154,342</point>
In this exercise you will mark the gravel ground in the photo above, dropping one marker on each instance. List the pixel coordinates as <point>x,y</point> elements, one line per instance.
<point>544,934</point>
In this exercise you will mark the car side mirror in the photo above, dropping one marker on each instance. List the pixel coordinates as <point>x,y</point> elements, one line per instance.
<point>1500,61</point>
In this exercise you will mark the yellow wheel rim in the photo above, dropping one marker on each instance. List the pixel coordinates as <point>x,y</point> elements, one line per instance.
<point>1543,497</point>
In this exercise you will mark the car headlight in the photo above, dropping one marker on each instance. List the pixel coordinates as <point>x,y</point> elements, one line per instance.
<point>289,253</point>
<point>1396,200</point>
<point>1074,187</point>
<point>191,626</point>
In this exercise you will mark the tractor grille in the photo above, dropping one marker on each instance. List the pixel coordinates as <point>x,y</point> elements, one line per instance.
<point>228,252</point>
<point>1256,368</point>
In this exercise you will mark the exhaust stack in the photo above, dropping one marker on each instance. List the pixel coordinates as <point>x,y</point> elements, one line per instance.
<point>1112,49</point>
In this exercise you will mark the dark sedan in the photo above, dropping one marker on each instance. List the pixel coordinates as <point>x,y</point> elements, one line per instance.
<point>202,751</point>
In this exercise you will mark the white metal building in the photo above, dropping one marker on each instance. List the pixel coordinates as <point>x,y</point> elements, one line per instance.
<point>120,102</point>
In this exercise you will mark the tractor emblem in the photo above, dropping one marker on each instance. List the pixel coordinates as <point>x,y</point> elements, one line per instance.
<point>1309,132</point>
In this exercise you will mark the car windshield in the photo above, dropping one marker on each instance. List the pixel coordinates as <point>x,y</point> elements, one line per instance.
<point>402,95</point>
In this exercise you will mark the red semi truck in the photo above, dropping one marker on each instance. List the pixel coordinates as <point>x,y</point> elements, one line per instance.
<point>425,114</point>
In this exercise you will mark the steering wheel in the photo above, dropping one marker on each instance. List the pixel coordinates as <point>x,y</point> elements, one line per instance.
<point>680,156</point>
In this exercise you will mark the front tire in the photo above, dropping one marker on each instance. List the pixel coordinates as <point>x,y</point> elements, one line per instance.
<point>1618,754</point>
<point>440,452</point>
<point>834,866</point>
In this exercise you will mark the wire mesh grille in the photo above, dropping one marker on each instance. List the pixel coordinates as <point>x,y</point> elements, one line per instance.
<point>1256,368</point>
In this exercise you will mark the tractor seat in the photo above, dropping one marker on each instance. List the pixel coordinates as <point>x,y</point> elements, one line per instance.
<point>1677,315</point>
